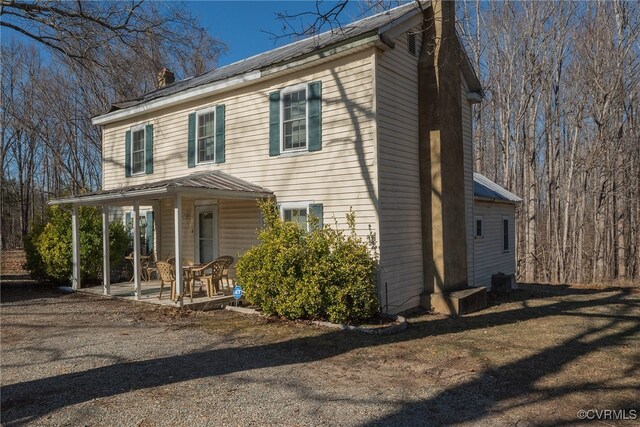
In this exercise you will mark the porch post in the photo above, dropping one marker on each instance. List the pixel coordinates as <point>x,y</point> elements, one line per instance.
<point>106,265</point>
<point>177,222</point>
<point>75,243</point>
<point>136,249</point>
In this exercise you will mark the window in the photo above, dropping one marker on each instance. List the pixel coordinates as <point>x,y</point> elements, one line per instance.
<point>479,227</point>
<point>505,234</point>
<point>137,150</point>
<point>297,215</point>
<point>294,119</point>
<point>299,212</point>
<point>206,131</point>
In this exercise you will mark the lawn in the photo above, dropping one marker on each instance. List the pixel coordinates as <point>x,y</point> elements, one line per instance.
<point>531,358</point>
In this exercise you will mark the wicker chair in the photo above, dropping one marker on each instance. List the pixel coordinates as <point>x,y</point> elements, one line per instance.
<point>228,260</point>
<point>167,275</point>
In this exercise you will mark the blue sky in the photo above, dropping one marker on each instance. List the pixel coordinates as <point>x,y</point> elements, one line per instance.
<point>242,24</point>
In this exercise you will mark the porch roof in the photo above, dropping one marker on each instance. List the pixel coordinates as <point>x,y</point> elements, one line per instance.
<point>212,184</point>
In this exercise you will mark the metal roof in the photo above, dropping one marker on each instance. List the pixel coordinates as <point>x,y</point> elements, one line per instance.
<point>213,183</point>
<point>280,55</point>
<point>484,188</point>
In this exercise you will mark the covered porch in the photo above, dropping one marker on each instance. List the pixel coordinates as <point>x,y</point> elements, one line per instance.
<point>191,220</point>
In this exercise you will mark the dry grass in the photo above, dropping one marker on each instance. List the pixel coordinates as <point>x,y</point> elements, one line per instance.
<point>530,358</point>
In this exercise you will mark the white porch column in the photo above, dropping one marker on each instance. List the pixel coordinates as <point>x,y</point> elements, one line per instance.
<point>136,250</point>
<point>75,243</point>
<point>177,222</point>
<point>106,265</point>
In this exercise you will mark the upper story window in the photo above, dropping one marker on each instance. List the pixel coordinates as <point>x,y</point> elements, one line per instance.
<point>137,150</point>
<point>206,135</point>
<point>294,119</point>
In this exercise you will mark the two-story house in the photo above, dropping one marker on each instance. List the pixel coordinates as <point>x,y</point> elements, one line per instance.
<point>324,125</point>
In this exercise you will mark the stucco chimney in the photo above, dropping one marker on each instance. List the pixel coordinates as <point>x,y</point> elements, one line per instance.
<point>165,77</point>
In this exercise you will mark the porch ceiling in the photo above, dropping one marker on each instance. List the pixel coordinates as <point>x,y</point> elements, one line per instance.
<point>213,184</point>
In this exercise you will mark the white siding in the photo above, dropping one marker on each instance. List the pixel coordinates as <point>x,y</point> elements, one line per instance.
<point>400,222</point>
<point>468,179</point>
<point>340,176</point>
<point>489,256</point>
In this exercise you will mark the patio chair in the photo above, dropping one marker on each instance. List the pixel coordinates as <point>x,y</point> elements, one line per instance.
<point>225,272</point>
<point>149,267</point>
<point>213,279</point>
<point>167,275</point>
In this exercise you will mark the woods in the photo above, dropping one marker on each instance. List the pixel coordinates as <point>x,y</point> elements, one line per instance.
<point>559,125</point>
<point>73,60</point>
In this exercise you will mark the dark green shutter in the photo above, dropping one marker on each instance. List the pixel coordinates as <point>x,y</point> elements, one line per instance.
<point>274,123</point>
<point>149,232</point>
<point>220,134</point>
<point>315,116</point>
<point>127,153</point>
<point>191,146</point>
<point>317,211</point>
<point>148,134</point>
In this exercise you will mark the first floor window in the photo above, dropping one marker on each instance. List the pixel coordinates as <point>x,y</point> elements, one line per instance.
<point>505,234</point>
<point>297,215</point>
<point>137,151</point>
<point>294,120</point>
<point>479,230</point>
<point>206,136</point>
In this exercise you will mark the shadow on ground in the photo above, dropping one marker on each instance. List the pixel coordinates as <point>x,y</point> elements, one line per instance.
<point>468,401</point>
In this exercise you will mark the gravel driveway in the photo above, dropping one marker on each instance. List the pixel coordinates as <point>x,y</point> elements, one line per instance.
<point>530,359</point>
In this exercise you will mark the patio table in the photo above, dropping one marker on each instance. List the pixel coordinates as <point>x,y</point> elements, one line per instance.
<point>187,271</point>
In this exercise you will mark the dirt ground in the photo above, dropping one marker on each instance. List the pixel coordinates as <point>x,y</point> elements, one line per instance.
<point>532,358</point>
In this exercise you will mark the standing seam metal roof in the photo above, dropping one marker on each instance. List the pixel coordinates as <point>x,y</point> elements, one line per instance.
<point>484,188</point>
<point>278,55</point>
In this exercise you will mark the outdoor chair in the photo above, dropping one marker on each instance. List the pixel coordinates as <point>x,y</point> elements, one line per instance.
<point>168,276</point>
<point>149,267</point>
<point>228,260</point>
<point>213,278</point>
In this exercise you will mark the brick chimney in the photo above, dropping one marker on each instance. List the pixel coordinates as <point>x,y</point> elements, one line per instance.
<point>165,78</point>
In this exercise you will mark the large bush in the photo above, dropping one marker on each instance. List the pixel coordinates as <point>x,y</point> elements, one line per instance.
<point>324,273</point>
<point>49,246</point>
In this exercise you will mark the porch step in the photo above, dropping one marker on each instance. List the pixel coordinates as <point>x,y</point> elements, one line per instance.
<point>460,302</point>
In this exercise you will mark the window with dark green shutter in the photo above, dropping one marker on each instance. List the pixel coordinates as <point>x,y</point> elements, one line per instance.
<point>191,141</point>
<point>295,119</point>
<point>138,147</point>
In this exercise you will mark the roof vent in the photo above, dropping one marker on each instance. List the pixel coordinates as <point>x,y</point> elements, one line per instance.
<point>411,43</point>
<point>165,78</point>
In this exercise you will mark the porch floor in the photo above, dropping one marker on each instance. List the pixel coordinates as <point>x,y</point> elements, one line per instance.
<point>151,291</point>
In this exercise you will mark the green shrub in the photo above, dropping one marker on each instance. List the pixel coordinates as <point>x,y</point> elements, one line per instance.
<point>318,274</point>
<point>49,246</point>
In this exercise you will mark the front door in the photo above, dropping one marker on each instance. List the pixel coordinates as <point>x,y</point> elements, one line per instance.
<point>206,234</point>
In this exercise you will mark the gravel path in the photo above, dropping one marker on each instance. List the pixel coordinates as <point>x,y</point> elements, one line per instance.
<point>81,360</point>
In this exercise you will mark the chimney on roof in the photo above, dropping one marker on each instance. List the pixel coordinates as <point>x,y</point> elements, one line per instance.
<point>165,78</point>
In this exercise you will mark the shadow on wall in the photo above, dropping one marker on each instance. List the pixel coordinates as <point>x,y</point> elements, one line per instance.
<point>30,400</point>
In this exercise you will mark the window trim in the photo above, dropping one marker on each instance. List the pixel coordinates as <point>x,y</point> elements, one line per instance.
<point>475,227</point>
<point>283,92</point>
<point>133,130</point>
<point>295,205</point>
<point>506,218</point>
<point>206,110</point>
